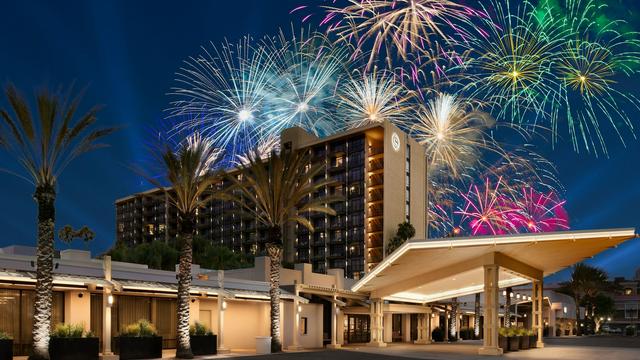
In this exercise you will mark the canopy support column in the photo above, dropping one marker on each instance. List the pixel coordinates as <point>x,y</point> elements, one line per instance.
<point>334,325</point>
<point>376,308</point>
<point>296,322</point>
<point>222,307</point>
<point>491,308</point>
<point>536,306</point>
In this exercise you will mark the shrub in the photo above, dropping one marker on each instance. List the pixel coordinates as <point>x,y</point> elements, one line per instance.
<point>69,331</point>
<point>5,336</point>
<point>503,331</point>
<point>199,329</point>
<point>629,331</point>
<point>437,334</point>
<point>141,328</point>
<point>466,333</point>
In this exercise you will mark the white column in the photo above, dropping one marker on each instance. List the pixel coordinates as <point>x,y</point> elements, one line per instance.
<point>491,308</point>
<point>423,329</point>
<point>107,302</point>
<point>536,304</point>
<point>376,313</point>
<point>222,306</point>
<point>295,344</point>
<point>334,324</point>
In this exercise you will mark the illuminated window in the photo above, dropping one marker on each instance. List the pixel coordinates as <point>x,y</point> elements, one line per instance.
<point>628,291</point>
<point>149,229</point>
<point>161,228</point>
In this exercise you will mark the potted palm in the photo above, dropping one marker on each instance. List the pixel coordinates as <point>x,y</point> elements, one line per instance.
<point>533,338</point>
<point>72,342</point>
<point>139,341</point>
<point>523,336</point>
<point>6,346</point>
<point>203,341</point>
<point>503,339</point>
<point>514,339</point>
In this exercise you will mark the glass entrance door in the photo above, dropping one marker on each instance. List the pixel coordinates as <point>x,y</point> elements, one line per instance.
<point>357,329</point>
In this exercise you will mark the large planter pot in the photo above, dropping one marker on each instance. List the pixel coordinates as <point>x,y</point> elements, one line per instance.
<point>74,348</point>
<point>503,343</point>
<point>533,340</point>
<point>514,343</point>
<point>204,344</point>
<point>130,347</point>
<point>6,349</point>
<point>524,342</point>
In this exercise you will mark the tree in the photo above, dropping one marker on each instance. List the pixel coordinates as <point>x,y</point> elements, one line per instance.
<point>477,314</point>
<point>405,232</point>
<point>189,172</point>
<point>277,191</point>
<point>67,234</point>
<point>44,146</point>
<point>217,257</point>
<point>602,307</point>
<point>155,254</point>
<point>586,282</point>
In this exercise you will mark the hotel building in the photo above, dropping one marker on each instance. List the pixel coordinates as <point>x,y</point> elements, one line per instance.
<point>404,299</point>
<point>378,169</point>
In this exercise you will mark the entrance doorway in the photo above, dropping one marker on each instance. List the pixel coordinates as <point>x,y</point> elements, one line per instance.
<point>396,328</point>
<point>357,329</point>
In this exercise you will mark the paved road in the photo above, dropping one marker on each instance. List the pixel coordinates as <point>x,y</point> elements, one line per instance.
<point>573,348</point>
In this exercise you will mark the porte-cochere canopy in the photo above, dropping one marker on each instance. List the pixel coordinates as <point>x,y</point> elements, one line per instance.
<point>434,269</point>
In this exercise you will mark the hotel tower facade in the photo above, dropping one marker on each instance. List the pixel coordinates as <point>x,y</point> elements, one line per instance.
<point>378,169</point>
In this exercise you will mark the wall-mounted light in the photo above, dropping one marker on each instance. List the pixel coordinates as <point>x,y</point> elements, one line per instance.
<point>299,309</point>
<point>224,305</point>
<point>608,319</point>
<point>504,292</point>
<point>564,310</point>
<point>517,296</point>
<point>110,300</point>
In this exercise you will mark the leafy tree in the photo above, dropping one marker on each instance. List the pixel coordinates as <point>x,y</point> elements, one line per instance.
<point>67,234</point>
<point>586,282</point>
<point>405,232</point>
<point>601,307</point>
<point>277,191</point>
<point>44,146</point>
<point>218,257</point>
<point>156,255</point>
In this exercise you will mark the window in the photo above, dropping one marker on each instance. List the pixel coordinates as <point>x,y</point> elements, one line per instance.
<point>628,291</point>
<point>631,311</point>
<point>303,325</point>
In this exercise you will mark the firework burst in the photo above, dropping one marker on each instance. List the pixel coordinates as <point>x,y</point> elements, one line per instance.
<point>224,92</point>
<point>398,27</point>
<point>308,68</point>
<point>538,212</point>
<point>485,211</point>
<point>453,132</point>
<point>373,98</point>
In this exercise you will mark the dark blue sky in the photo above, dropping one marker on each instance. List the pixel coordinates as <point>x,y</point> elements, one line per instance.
<point>126,53</point>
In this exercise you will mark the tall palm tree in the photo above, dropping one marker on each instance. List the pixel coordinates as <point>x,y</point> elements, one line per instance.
<point>188,170</point>
<point>476,312</point>
<point>277,191</point>
<point>586,282</point>
<point>44,146</point>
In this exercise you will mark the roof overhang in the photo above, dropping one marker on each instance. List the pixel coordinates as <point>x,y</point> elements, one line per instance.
<point>423,271</point>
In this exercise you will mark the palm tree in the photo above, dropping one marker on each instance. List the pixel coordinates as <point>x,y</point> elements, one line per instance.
<point>476,312</point>
<point>44,146</point>
<point>189,172</point>
<point>586,282</point>
<point>277,191</point>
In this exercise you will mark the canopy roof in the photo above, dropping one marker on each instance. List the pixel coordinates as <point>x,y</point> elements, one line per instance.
<point>429,270</point>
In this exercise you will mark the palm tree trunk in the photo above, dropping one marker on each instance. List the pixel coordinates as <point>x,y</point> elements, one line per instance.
<point>453,322</point>
<point>183,348</point>
<point>45,197</point>
<point>274,249</point>
<point>578,332</point>
<point>507,308</point>
<point>476,322</point>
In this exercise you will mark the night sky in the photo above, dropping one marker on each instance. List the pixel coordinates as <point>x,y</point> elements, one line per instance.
<point>126,53</point>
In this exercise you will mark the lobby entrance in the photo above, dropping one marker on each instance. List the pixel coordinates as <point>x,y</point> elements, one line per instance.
<point>357,329</point>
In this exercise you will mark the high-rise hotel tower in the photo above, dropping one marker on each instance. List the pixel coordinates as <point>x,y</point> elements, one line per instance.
<point>379,170</point>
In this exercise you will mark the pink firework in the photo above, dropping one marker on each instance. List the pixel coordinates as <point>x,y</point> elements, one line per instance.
<point>487,210</point>
<point>539,212</point>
